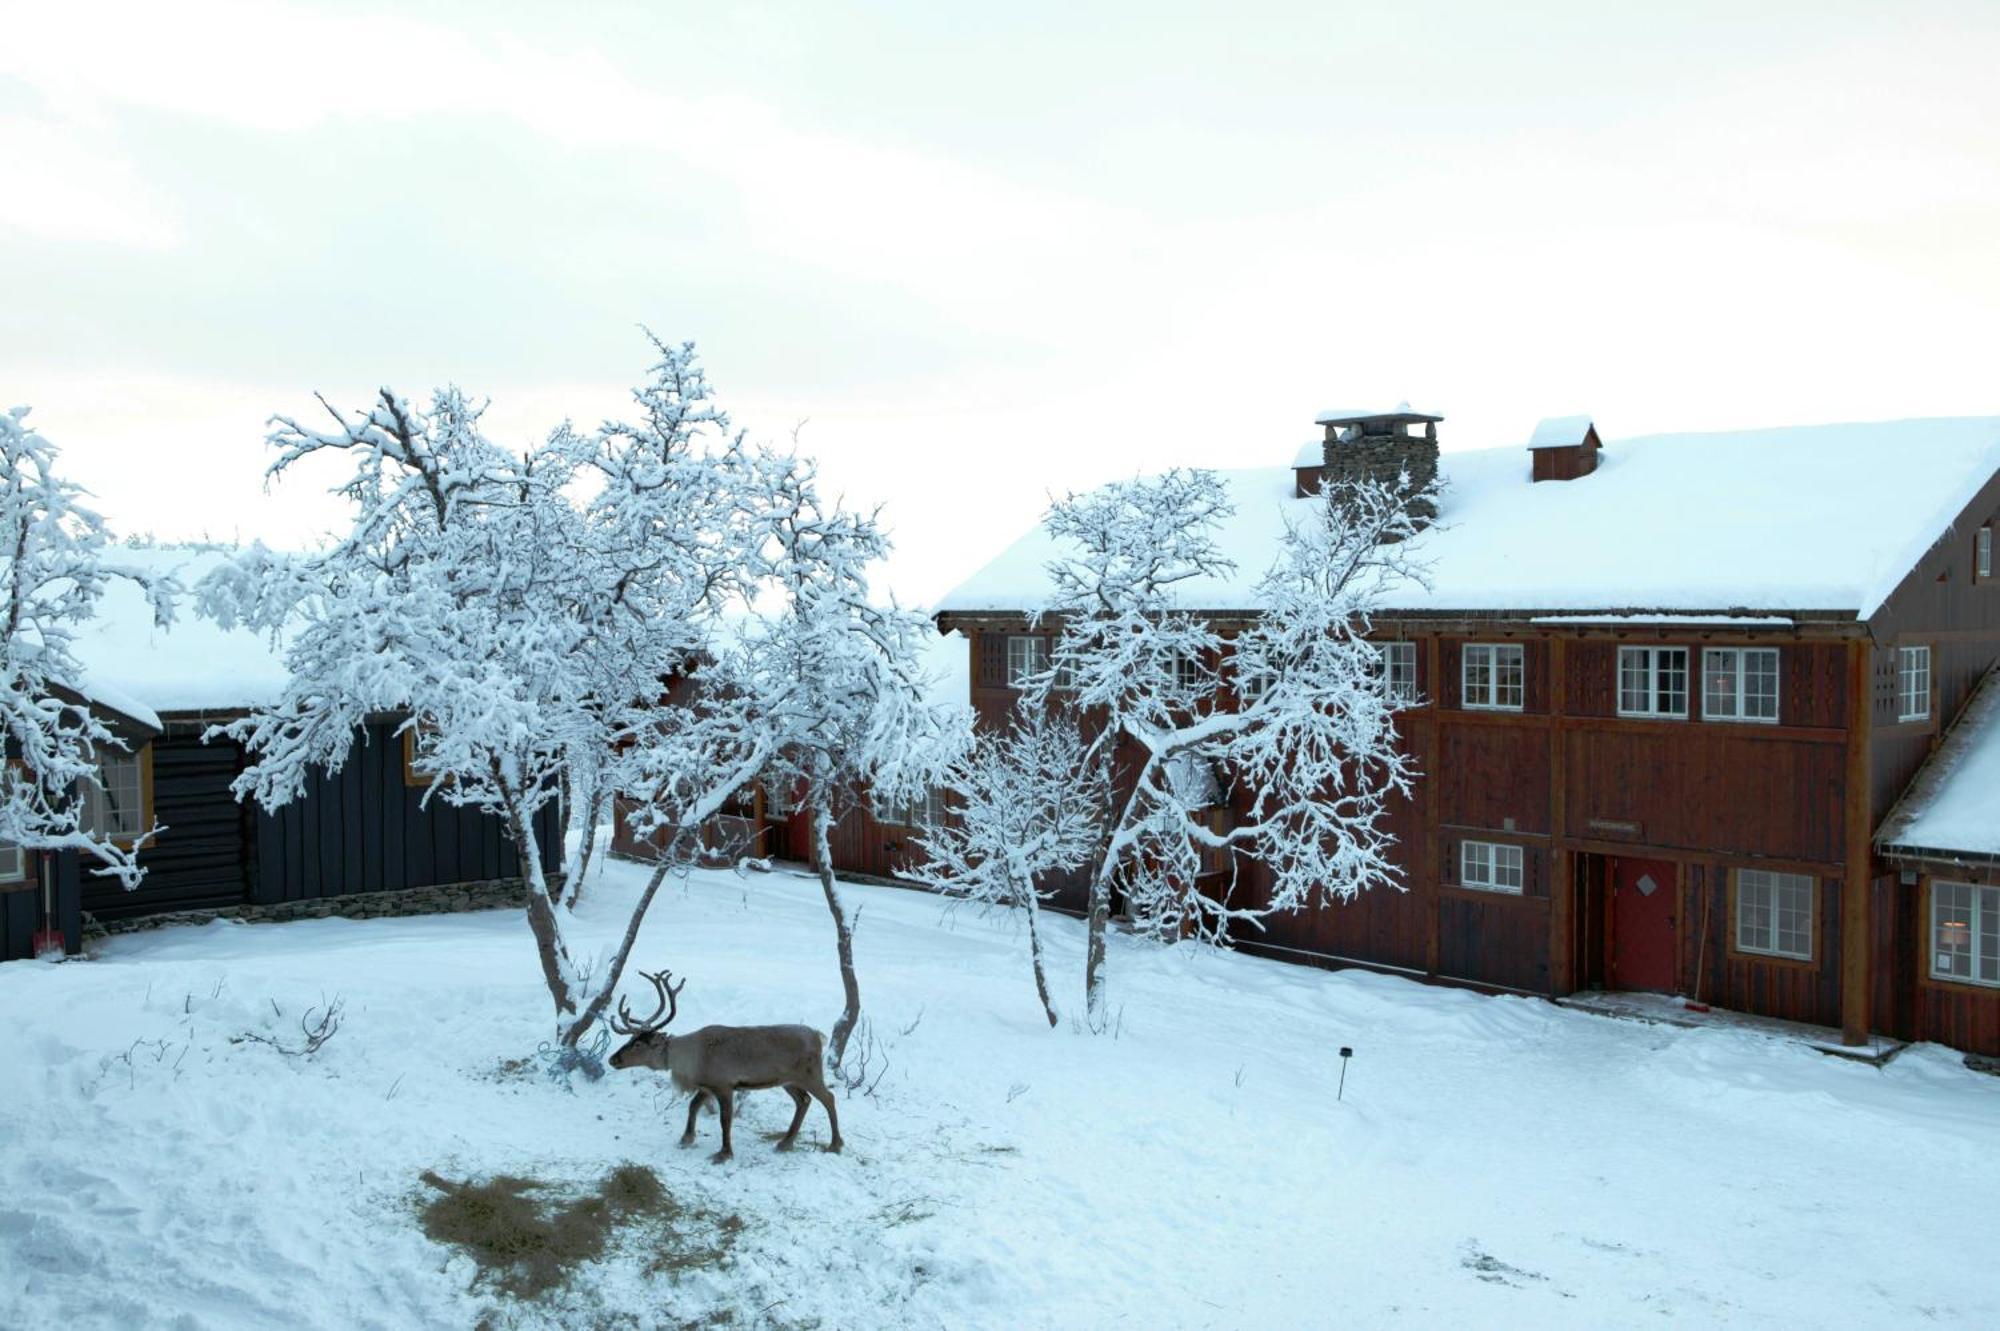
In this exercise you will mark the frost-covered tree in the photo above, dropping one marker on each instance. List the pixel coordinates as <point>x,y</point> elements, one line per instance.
<point>1275,741</point>
<point>1029,802</point>
<point>535,615</point>
<point>841,679</point>
<point>55,563</point>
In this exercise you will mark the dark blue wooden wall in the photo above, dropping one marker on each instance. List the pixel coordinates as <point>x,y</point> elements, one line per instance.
<point>21,913</point>
<point>358,830</point>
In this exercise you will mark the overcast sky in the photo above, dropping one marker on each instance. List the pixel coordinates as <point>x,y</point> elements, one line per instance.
<point>985,252</point>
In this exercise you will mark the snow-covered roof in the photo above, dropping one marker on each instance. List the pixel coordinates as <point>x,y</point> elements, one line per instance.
<point>1952,808</point>
<point>1560,432</point>
<point>1311,454</point>
<point>193,666</point>
<point>1334,415</point>
<point>1820,517</point>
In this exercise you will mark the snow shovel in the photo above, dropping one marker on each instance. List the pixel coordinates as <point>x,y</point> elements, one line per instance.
<point>47,942</point>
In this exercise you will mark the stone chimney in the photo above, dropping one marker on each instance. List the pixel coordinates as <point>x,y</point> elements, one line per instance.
<point>1382,446</point>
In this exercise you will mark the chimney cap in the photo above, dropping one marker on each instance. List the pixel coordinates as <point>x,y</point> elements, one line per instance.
<point>1400,414</point>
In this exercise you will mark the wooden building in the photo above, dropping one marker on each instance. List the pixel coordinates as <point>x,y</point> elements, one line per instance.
<point>363,829</point>
<point>1662,693</point>
<point>765,821</point>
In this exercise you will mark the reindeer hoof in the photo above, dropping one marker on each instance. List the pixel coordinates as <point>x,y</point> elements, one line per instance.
<point>721,1157</point>
<point>833,1147</point>
<point>785,1143</point>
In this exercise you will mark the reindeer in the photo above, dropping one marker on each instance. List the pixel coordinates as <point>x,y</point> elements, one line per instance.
<point>715,1062</point>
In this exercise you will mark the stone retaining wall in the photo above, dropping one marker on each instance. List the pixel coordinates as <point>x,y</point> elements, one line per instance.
<point>444,899</point>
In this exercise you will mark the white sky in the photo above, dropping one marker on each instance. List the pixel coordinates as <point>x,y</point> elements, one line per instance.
<point>984,253</point>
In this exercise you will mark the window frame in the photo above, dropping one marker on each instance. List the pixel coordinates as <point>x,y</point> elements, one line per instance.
<point>142,760</point>
<point>1739,675</point>
<point>414,777</point>
<point>930,810</point>
<point>1038,658</point>
<point>1982,553</point>
<point>1489,879</point>
<point>1769,947</point>
<point>1493,655</point>
<point>1653,654</point>
<point>1191,674</point>
<point>1908,672</point>
<point>1401,692</point>
<point>20,875</point>
<point>1977,910</point>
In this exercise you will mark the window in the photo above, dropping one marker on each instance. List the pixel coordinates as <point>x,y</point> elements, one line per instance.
<point>1027,656</point>
<point>1739,684</point>
<point>926,810</point>
<point>778,798</point>
<point>1965,933</point>
<point>1189,676</point>
<point>1399,671</point>
<point>115,807</point>
<point>1982,554</point>
<point>1494,676</point>
<point>1653,681</point>
<point>1913,683</point>
<point>1774,913</point>
<point>13,863</point>
<point>417,774</point>
<point>1491,867</point>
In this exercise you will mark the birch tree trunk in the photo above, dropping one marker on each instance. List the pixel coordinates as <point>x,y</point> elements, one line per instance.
<point>1093,955</point>
<point>544,921</point>
<point>843,927</point>
<point>1034,908</point>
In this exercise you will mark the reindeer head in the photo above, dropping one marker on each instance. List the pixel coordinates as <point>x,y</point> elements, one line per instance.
<point>647,1045</point>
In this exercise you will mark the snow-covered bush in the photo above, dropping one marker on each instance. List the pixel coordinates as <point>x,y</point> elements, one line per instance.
<point>1274,740</point>
<point>55,561</point>
<point>1029,802</point>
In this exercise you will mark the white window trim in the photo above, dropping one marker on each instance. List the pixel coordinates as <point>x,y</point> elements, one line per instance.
<point>13,863</point>
<point>1018,673</point>
<point>97,800</point>
<point>927,811</point>
<point>1982,554</point>
<point>1489,879</point>
<point>1519,652</point>
<point>1976,923</point>
<point>1773,950</point>
<point>1708,712</point>
<point>1904,676</point>
<point>1651,711</point>
<point>1406,694</point>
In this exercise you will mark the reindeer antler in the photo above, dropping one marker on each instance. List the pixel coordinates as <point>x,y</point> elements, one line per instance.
<point>627,1024</point>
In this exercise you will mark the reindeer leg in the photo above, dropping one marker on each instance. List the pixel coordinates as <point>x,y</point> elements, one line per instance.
<point>694,1108</point>
<point>799,1103</point>
<point>825,1097</point>
<point>726,1103</point>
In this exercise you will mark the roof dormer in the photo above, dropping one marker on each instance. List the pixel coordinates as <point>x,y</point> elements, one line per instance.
<point>1564,448</point>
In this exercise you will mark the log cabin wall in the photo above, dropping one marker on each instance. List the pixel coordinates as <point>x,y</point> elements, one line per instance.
<point>203,859</point>
<point>363,829</point>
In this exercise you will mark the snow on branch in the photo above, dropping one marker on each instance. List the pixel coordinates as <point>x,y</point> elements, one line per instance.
<point>1271,737</point>
<point>55,564</point>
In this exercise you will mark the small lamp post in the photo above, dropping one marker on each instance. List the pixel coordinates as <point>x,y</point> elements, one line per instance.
<point>1346,1053</point>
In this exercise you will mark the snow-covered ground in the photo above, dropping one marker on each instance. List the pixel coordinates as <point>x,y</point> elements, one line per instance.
<point>1496,1161</point>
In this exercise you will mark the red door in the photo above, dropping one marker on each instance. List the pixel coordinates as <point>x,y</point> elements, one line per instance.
<point>1642,925</point>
